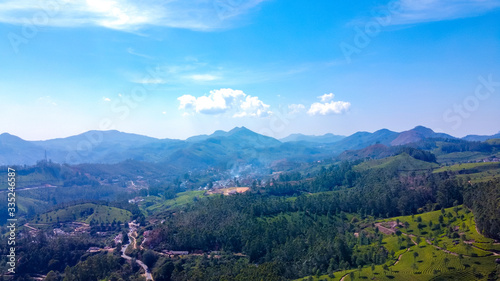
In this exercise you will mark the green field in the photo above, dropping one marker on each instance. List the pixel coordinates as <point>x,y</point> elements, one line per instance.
<point>153,204</point>
<point>85,213</point>
<point>431,262</point>
<point>476,172</point>
<point>461,157</point>
<point>482,166</point>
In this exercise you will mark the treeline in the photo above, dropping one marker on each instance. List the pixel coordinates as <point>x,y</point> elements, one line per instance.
<point>103,267</point>
<point>451,146</point>
<point>40,254</point>
<point>223,267</point>
<point>483,199</point>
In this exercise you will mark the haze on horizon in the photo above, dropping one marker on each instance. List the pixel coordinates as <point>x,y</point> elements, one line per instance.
<point>180,69</point>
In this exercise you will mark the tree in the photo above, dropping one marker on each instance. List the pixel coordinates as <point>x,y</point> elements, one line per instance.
<point>125,239</point>
<point>468,247</point>
<point>149,258</point>
<point>418,239</point>
<point>414,266</point>
<point>446,260</point>
<point>52,276</point>
<point>385,267</point>
<point>415,255</point>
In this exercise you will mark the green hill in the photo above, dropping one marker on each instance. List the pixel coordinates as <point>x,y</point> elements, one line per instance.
<point>440,254</point>
<point>401,162</point>
<point>85,213</point>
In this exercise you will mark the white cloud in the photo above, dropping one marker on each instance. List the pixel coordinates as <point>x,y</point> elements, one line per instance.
<point>106,99</point>
<point>234,102</point>
<point>254,107</point>
<point>326,97</point>
<point>127,14</point>
<point>419,11</point>
<point>334,107</point>
<point>327,106</point>
<point>295,108</point>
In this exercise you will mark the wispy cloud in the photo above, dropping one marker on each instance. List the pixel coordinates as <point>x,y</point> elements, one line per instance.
<point>133,52</point>
<point>420,11</point>
<point>47,100</point>
<point>203,77</point>
<point>295,108</point>
<point>128,15</point>
<point>326,97</point>
<point>150,81</point>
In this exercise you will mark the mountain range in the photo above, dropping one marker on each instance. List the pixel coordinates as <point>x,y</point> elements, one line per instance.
<point>239,146</point>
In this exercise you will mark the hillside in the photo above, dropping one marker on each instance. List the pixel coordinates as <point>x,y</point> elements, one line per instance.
<point>85,213</point>
<point>422,248</point>
<point>402,162</point>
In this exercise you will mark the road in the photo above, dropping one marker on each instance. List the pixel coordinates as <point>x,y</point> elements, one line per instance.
<point>139,262</point>
<point>29,188</point>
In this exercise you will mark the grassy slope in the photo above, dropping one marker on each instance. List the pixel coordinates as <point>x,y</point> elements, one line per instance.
<point>430,263</point>
<point>155,204</point>
<point>477,172</point>
<point>100,214</point>
<point>402,162</point>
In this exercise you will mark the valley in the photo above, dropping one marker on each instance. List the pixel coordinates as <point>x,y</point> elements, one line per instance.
<point>401,206</point>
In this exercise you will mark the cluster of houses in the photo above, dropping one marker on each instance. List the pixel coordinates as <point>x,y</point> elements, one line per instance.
<point>118,239</point>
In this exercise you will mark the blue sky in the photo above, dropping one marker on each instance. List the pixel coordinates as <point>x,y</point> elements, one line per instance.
<point>173,69</point>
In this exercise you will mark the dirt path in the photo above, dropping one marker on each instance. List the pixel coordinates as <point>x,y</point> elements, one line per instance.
<point>30,227</point>
<point>399,257</point>
<point>343,277</point>
<point>385,230</point>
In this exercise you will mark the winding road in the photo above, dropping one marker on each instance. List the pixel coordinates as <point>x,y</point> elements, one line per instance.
<point>139,262</point>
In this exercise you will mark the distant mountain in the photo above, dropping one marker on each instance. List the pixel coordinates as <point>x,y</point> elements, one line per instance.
<point>327,138</point>
<point>417,134</point>
<point>107,138</point>
<point>238,147</point>
<point>361,140</point>
<point>95,147</point>
<point>14,150</point>
<point>204,137</point>
<point>481,138</point>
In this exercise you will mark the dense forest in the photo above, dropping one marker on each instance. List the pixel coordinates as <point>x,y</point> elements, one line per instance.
<point>483,199</point>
